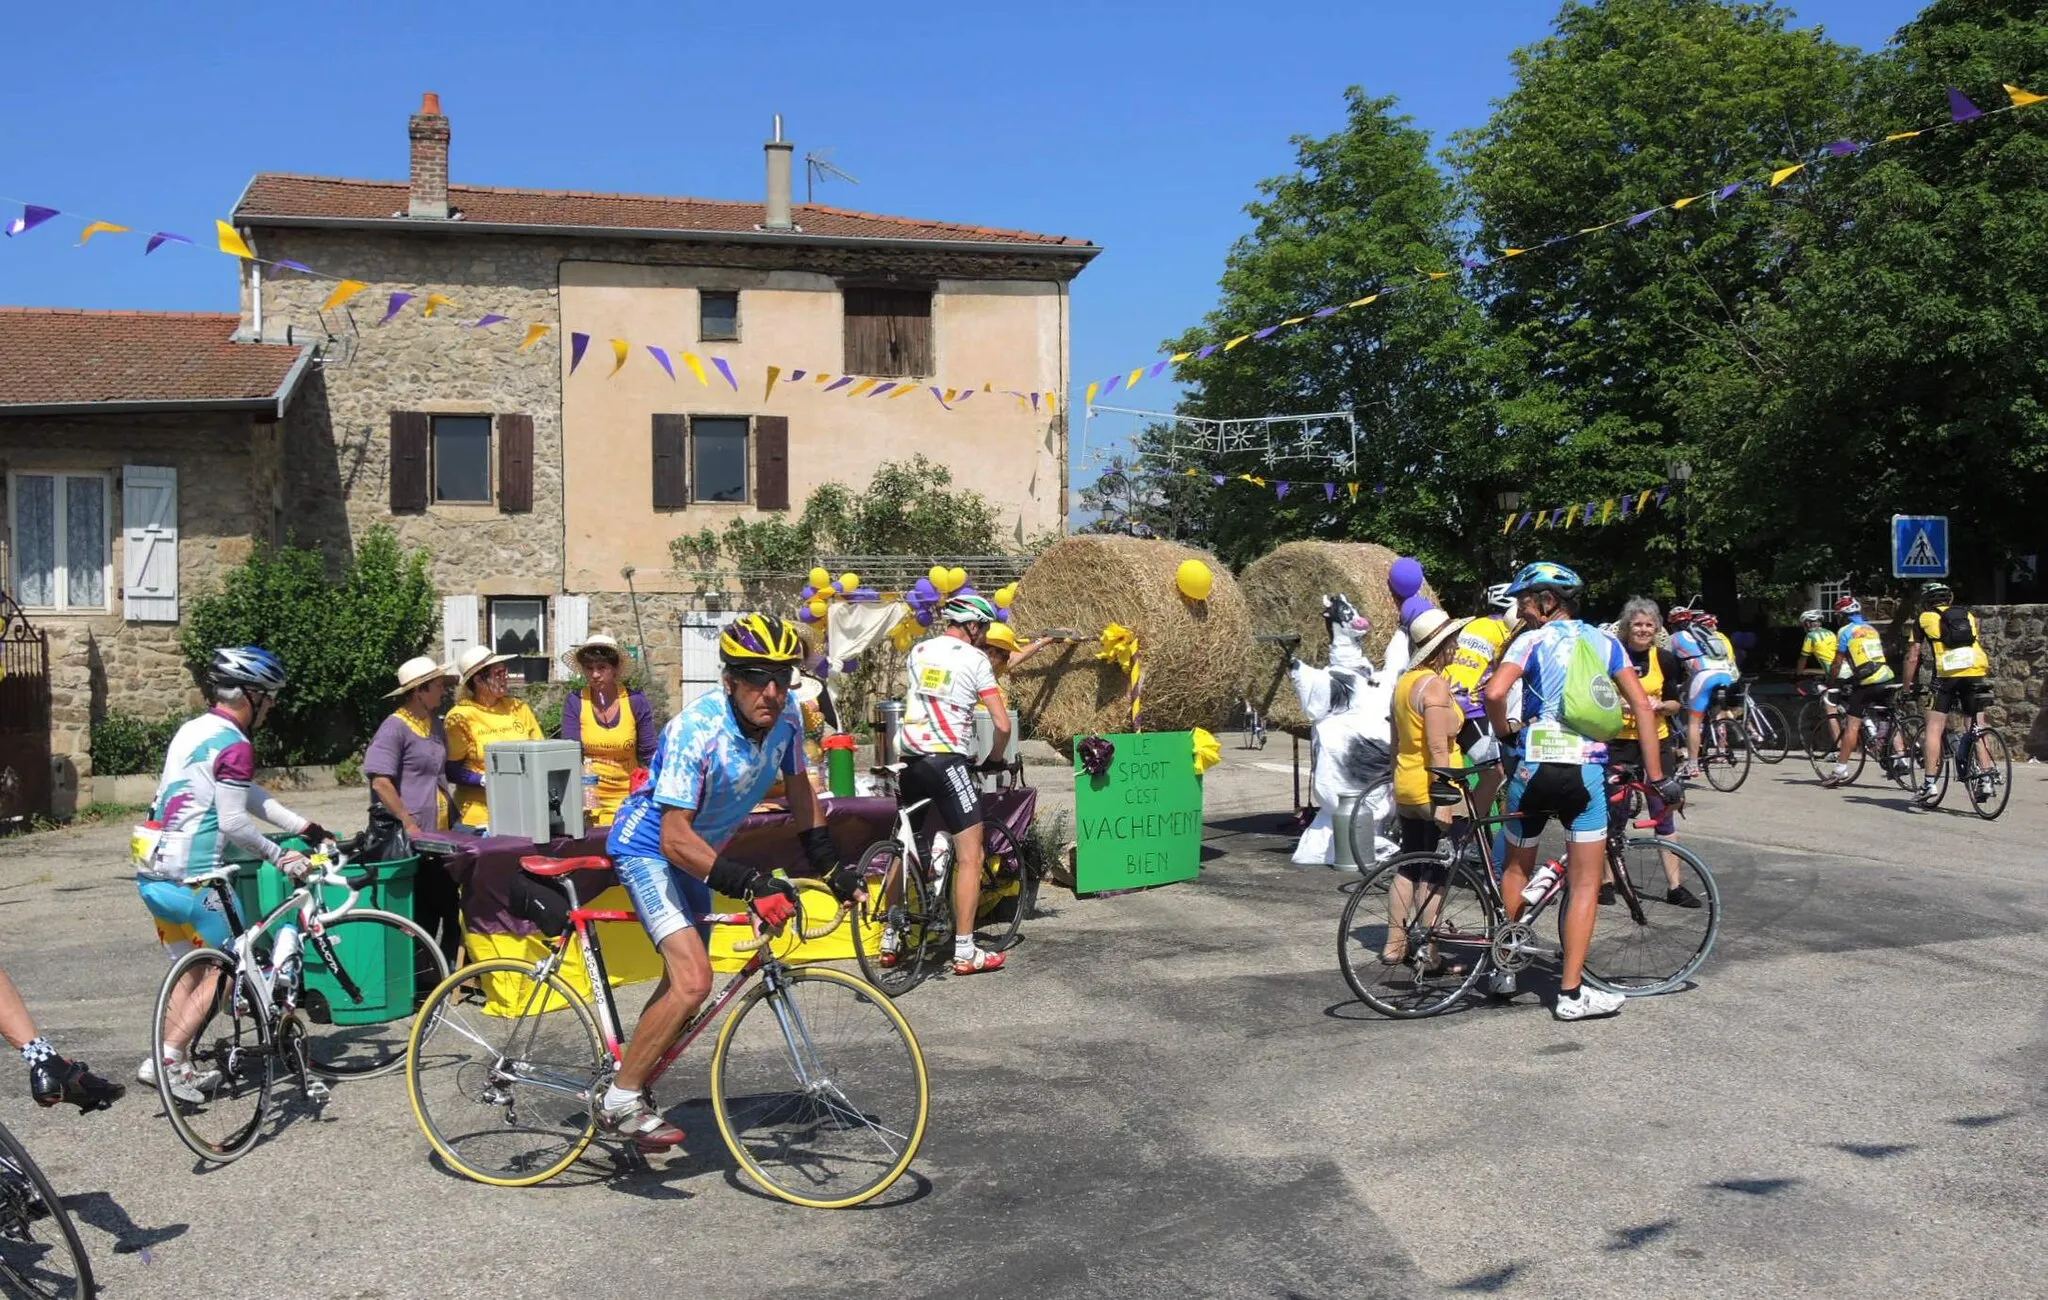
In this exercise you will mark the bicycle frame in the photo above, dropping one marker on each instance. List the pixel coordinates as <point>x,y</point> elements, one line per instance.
<point>313,925</point>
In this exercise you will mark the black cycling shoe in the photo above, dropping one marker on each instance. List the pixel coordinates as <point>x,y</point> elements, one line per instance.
<point>1607,895</point>
<point>1682,897</point>
<point>57,1079</point>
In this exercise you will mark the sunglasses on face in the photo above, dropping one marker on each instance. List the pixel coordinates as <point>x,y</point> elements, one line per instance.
<point>761,677</point>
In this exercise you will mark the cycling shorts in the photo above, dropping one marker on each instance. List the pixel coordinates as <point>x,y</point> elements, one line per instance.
<point>1700,689</point>
<point>667,898</point>
<point>1476,741</point>
<point>1966,695</point>
<point>1574,793</point>
<point>1860,699</point>
<point>186,916</point>
<point>947,780</point>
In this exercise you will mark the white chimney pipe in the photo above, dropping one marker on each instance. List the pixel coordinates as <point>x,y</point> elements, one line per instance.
<point>780,155</point>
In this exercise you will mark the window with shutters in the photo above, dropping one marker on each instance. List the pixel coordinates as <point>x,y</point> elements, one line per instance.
<point>519,629</point>
<point>59,540</point>
<point>718,315</point>
<point>888,331</point>
<point>461,458</point>
<point>718,458</point>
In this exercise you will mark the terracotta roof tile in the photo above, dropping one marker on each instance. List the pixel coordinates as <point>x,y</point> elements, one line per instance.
<point>278,195</point>
<point>52,356</point>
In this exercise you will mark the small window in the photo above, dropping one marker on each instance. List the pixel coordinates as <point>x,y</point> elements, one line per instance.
<point>519,629</point>
<point>718,315</point>
<point>888,331</point>
<point>462,458</point>
<point>60,543</point>
<point>718,458</point>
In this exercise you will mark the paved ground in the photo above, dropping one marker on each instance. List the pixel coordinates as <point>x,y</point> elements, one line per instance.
<point>1172,1094</point>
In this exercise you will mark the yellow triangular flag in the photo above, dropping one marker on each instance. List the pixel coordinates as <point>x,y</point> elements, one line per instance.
<point>1136,375</point>
<point>1509,524</point>
<point>344,291</point>
<point>821,378</point>
<point>1783,174</point>
<point>1366,301</point>
<point>904,390</point>
<point>1593,230</point>
<point>1643,499</point>
<point>100,228</point>
<point>861,387</point>
<point>1234,342</point>
<point>435,301</point>
<point>534,334</point>
<point>1542,519</point>
<point>1091,393</point>
<point>696,368</point>
<point>1606,511</point>
<point>1354,492</point>
<point>1513,252</point>
<point>231,243</point>
<point>1900,135</point>
<point>1687,202</point>
<point>1294,320</point>
<point>620,351</point>
<point>1179,357</point>
<point>1571,512</point>
<point>2022,98</point>
<point>774,373</point>
<point>1052,403</point>
<point>950,393</point>
<point>1434,275</point>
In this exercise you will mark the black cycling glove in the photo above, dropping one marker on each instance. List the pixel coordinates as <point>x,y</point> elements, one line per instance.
<point>819,850</point>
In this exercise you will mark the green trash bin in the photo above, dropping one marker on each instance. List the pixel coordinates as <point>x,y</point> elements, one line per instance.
<point>384,973</point>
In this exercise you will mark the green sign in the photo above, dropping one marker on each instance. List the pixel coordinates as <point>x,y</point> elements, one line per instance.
<point>1140,823</point>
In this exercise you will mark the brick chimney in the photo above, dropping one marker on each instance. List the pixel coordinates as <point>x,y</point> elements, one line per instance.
<point>429,132</point>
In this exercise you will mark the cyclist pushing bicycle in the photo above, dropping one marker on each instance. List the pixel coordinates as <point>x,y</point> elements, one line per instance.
<point>715,761</point>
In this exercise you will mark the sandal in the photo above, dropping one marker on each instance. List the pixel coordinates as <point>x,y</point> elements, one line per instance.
<point>638,1122</point>
<point>1442,966</point>
<point>982,961</point>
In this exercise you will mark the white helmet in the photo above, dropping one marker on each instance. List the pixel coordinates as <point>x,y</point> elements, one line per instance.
<point>1498,597</point>
<point>1812,616</point>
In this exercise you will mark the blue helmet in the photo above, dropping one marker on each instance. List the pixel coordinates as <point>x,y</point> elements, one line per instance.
<point>1545,576</point>
<point>249,667</point>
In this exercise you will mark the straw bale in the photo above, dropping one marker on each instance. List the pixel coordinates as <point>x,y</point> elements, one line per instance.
<point>1285,593</point>
<point>1192,652</point>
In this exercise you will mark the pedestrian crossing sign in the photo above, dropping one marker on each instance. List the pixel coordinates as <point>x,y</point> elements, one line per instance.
<point>1919,546</point>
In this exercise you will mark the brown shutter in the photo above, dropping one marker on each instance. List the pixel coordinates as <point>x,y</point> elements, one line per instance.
<point>913,332</point>
<point>771,469</point>
<point>671,434</point>
<point>408,462</point>
<point>515,462</point>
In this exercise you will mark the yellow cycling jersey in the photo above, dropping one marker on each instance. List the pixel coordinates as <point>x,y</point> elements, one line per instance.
<point>1820,644</point>
<point>1963,661</point>
<point>1865,649</point>
<point>1479,647</point>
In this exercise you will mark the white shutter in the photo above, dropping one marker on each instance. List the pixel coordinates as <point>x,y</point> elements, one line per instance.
<point>149,543</point>
<point>572,628</point>
<point>458,625</point>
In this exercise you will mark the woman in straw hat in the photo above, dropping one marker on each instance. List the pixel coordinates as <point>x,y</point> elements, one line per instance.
<point>408,757</point>
<point>1426,722</point>
<point>486,714</point>
<point>614,724</point>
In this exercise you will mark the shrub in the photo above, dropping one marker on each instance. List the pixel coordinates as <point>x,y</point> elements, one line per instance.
<point>125,745</point>
<point>349,771</point>
<point>339,639</point>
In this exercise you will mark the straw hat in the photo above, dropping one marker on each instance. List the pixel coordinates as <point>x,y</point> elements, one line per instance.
<point>1430,629</point>
<point>475,659</point>
<point>602,641</point>
<point>417,672</point>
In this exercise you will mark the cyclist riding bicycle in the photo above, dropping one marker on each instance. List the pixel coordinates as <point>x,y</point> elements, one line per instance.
<point>1818,647</point>
<point>1962,672</point>
<point>1563,772</point>
<point>1480,645</point>
<point>1709,660</point>
<point>715,761</point>
<point>1860,662</point>
<point>949,675</point>
<point>206,801</point>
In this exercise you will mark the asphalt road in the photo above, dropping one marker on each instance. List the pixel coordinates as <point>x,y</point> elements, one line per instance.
<point>1173,1094</point>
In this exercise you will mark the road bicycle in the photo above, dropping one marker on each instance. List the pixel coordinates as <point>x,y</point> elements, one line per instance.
<point>1978,758</point>
<point>1725,747</point>
<point>818,1085</point>
<point>1764,729</point>
<point>1253,734</point>
<point>315,989</point>
<point>1423,929</point>
<point>904,891</point>
<point>40,1253</point>
<point>1890,736</point>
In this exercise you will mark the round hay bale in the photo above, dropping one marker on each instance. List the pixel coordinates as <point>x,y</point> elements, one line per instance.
<point>1192,652</point>
<point>1285,592</point>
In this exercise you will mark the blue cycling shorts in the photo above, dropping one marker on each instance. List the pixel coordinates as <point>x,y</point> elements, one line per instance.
<point>667,898</point>
<point>186,916</point>
<point>1574,793</point>
<point>1701,689</point>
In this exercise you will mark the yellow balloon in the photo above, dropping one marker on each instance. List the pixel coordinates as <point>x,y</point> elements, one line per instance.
<point>1194,580</point>
<point>937,574</point>
<point>818,606</point>
<point>1006,595</point>
<point>821,578</point>
<point>955,579</point>
<point>848,582</point>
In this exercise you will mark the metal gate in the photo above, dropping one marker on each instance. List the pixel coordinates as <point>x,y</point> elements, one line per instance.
<point>24,716</point>
<point>701,669</point>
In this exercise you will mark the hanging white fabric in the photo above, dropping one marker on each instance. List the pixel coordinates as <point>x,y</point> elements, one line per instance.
<point>852,626</point>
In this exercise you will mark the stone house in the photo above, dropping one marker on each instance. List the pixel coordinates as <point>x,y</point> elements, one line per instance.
<point>142,452</point>
<point>548,493</point>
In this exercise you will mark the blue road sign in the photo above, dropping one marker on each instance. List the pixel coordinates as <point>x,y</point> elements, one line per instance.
<point>1919,546</point>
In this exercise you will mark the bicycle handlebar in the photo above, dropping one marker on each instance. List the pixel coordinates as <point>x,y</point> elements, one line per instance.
<point>841,908</point>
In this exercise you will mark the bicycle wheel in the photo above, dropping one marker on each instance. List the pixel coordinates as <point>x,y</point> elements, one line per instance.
<point>1821,733</point>
<point>1434,917</point>
<point>1769,737</point>
<point>40,1253</point>
<point>1901,765</point>
<point>920,933</point>
<point>233,1058</point>
<point>1366,831</point>
<point>1009,890</point>
<point>1990,765</point>
<point>506,1100</point>
<point>1660,951</point>
<point>819,1088</point>
<point>391,963</point>
<point>1724,758</point>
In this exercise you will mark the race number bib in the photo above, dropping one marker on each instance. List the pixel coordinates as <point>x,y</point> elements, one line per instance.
<point>934,681</point>
<point>1547,742</point>
<point>1955,661</point>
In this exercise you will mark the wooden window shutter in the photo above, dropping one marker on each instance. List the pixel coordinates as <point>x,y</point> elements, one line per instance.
<point>771,468</point>
<point>409,430</point>
<point>149,540</point>
<point>671,442</point>
<point>515,462</point>
<point>912,323</point>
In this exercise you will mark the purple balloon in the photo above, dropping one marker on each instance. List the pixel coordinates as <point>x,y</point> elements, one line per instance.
<point>851,665</point>
<point>809,591</point>
<point>1405,578</point>
<point>865,594</point>
<point>804,613</point>
<point>924,618</point>
<point>924,590</point>
<point>1414,606</point>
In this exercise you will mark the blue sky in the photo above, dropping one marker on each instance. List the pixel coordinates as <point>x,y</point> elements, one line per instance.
<point>1142,128</point>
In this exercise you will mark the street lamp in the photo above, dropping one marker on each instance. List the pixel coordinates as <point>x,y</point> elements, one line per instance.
<point>1680,472</point>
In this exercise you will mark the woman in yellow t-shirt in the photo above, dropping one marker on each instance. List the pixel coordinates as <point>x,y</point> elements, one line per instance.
<point>614,724</point>
<point>486,714</point>
<point>1426,722</point>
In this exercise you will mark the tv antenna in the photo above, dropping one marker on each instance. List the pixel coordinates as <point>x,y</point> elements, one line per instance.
<point>818,166</point>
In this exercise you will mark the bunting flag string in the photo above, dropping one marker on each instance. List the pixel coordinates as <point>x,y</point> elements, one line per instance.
<point>1587,514</point>
<point>232,243</point>
<point>1281,487</point>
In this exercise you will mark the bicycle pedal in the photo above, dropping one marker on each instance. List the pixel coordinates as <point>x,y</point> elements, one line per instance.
<point>317,1091</point>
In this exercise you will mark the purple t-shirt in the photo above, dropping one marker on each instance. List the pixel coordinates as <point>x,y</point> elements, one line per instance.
<point>417,763</point>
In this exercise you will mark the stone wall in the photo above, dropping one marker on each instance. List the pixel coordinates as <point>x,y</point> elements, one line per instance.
<point>100,661</point>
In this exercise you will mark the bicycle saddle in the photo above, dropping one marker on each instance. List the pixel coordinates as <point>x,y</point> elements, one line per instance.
<point>539,866</point>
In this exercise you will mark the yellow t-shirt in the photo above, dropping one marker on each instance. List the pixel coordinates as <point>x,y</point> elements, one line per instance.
<point>473,726</point>
<point>1820,644</point>
<point>1411,744</point>
<point>612,753</point>
<point>1479,647</point>
<point>1963,661</point>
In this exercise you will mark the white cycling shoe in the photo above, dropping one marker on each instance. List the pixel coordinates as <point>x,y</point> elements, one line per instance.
<point>1589,1004</point>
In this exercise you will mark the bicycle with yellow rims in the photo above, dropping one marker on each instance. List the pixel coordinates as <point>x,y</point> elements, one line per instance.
<point>818,1085</point>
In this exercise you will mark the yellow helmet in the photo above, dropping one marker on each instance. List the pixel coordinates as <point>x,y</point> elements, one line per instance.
<point>759,639</point>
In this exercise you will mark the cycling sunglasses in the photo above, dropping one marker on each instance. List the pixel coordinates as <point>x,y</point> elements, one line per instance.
<point>759,677</point>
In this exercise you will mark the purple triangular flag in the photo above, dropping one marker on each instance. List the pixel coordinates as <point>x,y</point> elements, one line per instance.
<point>577,343</point>
<point>1327,311</point>
<point>661,358</point>
<point>1280,488</point>
<point>840,382</point>
<point>1640,217</point>
<point>726,370</point>
<point>1557,515</point>
<point>159,239</point>
<point>1626,497</point>
<point>1728,191</point>
<point>1591,506</point>
<point>1662,493</point>
<point>1960,108</point>
<point>1843,148</point>
<point>879,389</point>
<point>399,300</point>
<point>287,264</point>
<point>1266,333</point>
<point>31,216</point>
<point>965,393</point>
<point>1473,264</point>
<point>1034,401</point>
<point>489,319</point>
<point>1110,387</point>
<point>795,375</point>
<point>940,397</point>
<point>1203,355</point>
<point>1219,479</point>
<point>1159,369</point>
<point>1527,515</point>
<point>1379,489</point>
<point>1329,491</point>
